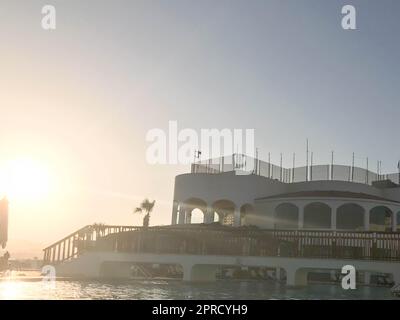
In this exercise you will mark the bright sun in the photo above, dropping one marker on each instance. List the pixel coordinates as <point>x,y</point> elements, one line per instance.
<point>24,179</point>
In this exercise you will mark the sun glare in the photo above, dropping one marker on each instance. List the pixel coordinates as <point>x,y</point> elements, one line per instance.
<point>24,179</point>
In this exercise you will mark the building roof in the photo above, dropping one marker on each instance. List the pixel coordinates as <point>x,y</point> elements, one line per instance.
<point>327,194</point>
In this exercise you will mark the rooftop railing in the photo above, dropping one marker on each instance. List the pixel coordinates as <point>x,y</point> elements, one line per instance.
<point>243,164</point>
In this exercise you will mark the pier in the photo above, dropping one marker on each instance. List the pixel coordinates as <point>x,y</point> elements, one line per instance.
<point>202,249</point>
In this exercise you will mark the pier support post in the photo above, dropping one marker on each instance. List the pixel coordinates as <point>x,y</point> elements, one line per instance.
<point>278,274</point>
<point>199,273</point>
<point>296,277</point>
<point>396,277</point>
<point>367,277</point>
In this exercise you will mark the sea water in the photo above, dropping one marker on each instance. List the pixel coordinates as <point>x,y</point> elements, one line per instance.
<point>31,288</point>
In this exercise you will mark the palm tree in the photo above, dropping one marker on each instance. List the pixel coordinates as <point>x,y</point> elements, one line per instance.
<point>146,206</point>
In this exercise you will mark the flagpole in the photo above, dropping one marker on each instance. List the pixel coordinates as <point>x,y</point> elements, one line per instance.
<point>307,160</point>
<point>398,167</point>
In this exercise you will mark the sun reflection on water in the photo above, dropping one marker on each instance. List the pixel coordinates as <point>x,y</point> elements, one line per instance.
<point>9,289</point>
<point>34,288</point>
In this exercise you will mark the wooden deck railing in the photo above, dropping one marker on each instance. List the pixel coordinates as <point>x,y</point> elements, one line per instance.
<point>79,241</point>
<point>216,240</point>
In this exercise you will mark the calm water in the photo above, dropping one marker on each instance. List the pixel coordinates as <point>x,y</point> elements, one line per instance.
<point>22,288</point>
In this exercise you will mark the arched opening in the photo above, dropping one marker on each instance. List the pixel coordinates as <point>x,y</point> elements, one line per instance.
<point>245,210</point>
<point>350,216</point>
<point>286,216</point>
<point>225,210</point>
<point>317,215</point>
<point>380,219</point>
<point>197,216</point>
<point>194,210</point>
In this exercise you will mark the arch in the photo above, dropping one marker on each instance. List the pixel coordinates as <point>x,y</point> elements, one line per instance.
<point>286,216</point>
<point>317,215</point>
<point>225,210</point>
<point>245,210</point>
<point>380,219</point>
<point>350,216</point>
<point>192,204</point>
<point>197,216</point>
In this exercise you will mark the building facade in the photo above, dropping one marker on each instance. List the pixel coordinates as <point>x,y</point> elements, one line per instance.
<point>358,201</point>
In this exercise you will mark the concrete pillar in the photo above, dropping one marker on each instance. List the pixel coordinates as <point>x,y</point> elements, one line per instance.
<point>367,277</point>
<point>301,217</point>
<point>182,214</point>
<point>366,219</point>
<point>396,277</point>
<point>236,215</point>
<point>199,273</point>
<point>278,273</point>
<point>296,277</point>
<point>291,277</point>
<point>209,215</point>
<point>174,213</point>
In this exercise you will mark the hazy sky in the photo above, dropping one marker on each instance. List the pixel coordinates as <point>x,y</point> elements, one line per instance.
<point>80,99</point>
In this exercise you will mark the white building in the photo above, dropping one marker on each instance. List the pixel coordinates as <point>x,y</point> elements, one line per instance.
<point>314,218</point>
<point>330,197</point>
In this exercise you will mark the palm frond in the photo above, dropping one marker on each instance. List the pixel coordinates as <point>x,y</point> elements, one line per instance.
<point>138,210</point>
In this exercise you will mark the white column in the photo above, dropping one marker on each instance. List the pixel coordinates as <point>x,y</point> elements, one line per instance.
<point>236,215</point>
<point>182,214</point>
<point>333,217</point>
<point>174,213</point>
<point>394,221</point>
<point>301,217</point>
<point>209,215</point>
<point>188,215</point>
<point>366,219</point>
